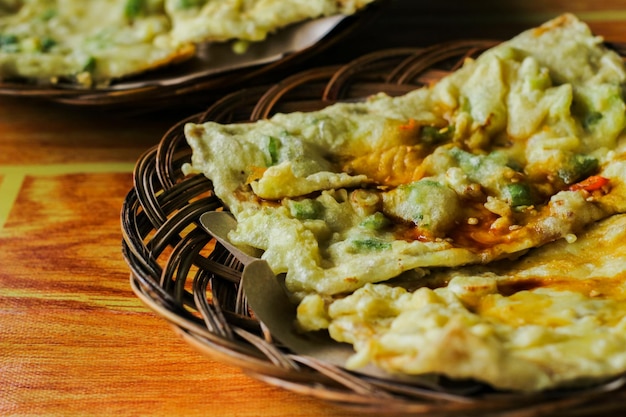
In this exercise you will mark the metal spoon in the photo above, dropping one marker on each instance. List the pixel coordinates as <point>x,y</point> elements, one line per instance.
<point>269,300</point>
<point>219,224</point>
<point>271,304</point>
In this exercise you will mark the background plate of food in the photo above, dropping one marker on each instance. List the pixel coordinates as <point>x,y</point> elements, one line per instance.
<point>125,51</point>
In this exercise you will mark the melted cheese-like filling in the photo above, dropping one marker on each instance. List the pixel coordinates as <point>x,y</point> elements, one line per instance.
<point>520,148</point>
<point>555,317</point>
<point>360,192</point>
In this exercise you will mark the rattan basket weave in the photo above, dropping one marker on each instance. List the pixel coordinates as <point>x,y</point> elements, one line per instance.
<point>193,282</point>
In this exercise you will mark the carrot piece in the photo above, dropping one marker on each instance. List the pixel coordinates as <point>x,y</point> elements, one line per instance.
<point>256,173</point>
<point>410,125</point>
<point>592,183</point>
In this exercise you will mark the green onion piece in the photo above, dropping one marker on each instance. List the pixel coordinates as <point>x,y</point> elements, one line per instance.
<point>48,14</point>
<point>370,244</point>
<point>433,134</point>
<point>468,162</point>
<point>518,194</point>
<point>306,209</point>
<point>240,46</point>
<point>188,4</point>
<point>273,148</point>
<point>133,9</point>
<point>9,43</point>
<point>47,43</point>
<point>540,82</point>
<point>591,119</point>
<point>90,65</point>
<point>376,221</point>
<point>577,167</point>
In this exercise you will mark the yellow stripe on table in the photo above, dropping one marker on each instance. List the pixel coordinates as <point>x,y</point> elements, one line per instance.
<point>12,178</point>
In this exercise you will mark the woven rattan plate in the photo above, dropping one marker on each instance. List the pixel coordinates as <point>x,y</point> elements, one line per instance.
<point>180,272</point>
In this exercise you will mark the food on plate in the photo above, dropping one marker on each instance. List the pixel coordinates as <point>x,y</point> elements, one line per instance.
<point>85,41</point>
<point>501,162</point>
<point>556,316</point>
<point>96,41</point>
<point>249,20</point>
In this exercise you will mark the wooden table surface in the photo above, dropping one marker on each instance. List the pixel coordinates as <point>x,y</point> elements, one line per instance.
<point>74,339</point>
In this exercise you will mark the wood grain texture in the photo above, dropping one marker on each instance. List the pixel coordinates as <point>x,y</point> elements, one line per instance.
<point>41,133</point>
<point>74,340</point>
